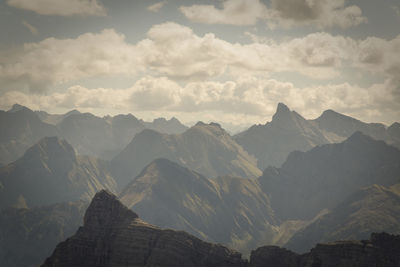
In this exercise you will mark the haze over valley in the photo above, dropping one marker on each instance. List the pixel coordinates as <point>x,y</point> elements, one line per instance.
<point>243,133</point>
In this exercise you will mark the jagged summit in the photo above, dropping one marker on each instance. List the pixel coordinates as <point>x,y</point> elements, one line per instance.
<point>106,210</point>
<point>282,112</point>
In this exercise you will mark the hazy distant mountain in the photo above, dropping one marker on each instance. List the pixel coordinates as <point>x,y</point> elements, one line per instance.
<point>228,210</point>
<point>288,131</point>
<point>54,118</point>
<point>106,137</point>
<point>103,137</point>
<point>20,128</point>
<point>50,172</point>
<point>171,126</point>
<point>205,148</point>
<point>28,236</point>
<point>89,134</point>
<point>113,235</point>
<point>324,176</point>
<point>372,209</point>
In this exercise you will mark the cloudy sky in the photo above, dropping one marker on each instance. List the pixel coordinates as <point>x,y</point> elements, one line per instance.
<point>229,61</point>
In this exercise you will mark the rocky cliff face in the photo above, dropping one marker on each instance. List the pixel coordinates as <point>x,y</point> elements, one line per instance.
<point>113,235</point>
<point>381,250</point>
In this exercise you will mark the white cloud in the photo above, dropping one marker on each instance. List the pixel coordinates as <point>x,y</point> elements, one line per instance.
<point>157,6</point>
<point>175,51</point>
<point>283,13</point>
<point>247,98</point>
<point>61,7</point>
<point>31,28</point>
<point>51,61</point>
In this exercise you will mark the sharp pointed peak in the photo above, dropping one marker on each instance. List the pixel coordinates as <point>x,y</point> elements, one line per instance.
<point>106,210</point>
<point>282,107</point>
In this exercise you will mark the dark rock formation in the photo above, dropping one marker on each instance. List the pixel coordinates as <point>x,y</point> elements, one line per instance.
<point>381,250</point>
<point>113,235</point>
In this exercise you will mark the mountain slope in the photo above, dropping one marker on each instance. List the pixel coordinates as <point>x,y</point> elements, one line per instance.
<point>50,172</point>
<point>372,209</point>
<point>205,148</point>
<point>28,236</point>
<point>322,177</point>
<point>20,128</point>
<point>113,235</point>
<point>288,131</point>
<point>105,137</point>
<point>228,210</point>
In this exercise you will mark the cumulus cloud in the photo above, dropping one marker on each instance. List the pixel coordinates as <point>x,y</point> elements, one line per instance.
<point>52,61</point>
<point>61,7</point>
<point>248,97</point>
<point>156,7</point>
<point>170,50</point>
<point>283,13</point>
<point>176,52</point>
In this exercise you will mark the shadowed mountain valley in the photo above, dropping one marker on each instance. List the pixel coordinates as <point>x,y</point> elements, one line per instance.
<point>205,148</point>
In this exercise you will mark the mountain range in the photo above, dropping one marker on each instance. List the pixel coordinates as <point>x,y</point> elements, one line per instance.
<point>50,172</point>
<point>90,135</point>
<point>113,235</point>
<point>289,131</point>
<point>228,210</point>
<point>321,178</point>
<point>335,178</point>
<point>205,148</point>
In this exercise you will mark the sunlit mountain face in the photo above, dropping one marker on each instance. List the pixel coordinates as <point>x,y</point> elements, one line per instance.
<point>199,133</point>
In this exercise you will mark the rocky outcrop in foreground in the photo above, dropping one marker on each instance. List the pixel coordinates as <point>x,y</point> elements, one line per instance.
<point>381,250</point>
<point>113,235</point>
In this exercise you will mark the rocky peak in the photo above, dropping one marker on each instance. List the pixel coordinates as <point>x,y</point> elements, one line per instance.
<point>282,113</point>
<point>106,210</point>
<point>213,128</point>
<point>17,107</point>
